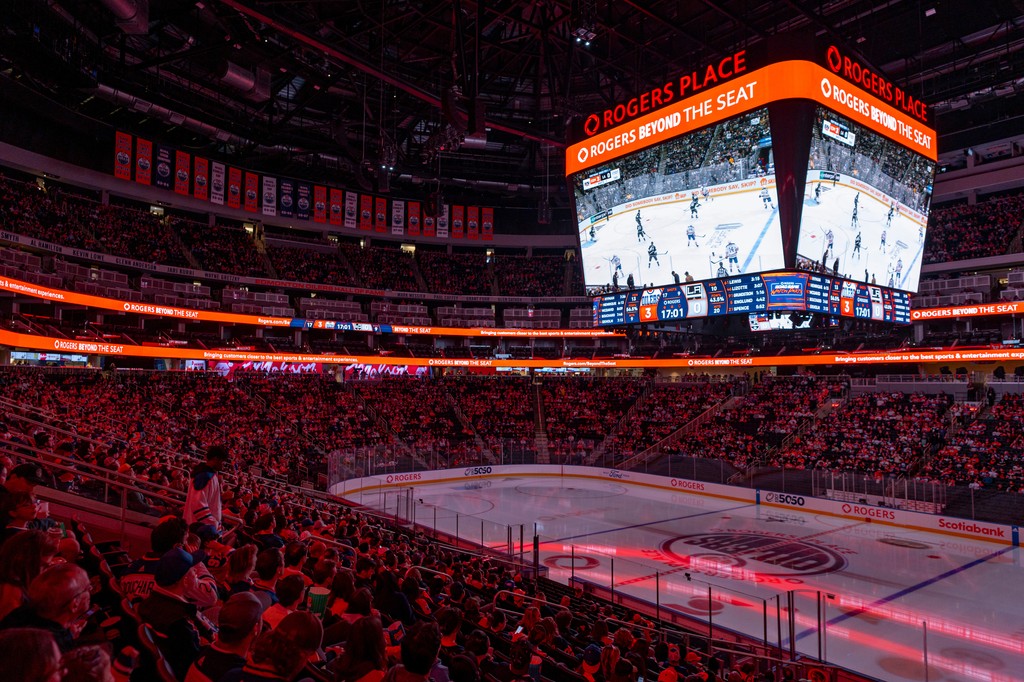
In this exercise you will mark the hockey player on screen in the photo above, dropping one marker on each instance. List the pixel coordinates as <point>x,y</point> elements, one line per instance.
<point>616,264</point>
<point>817,193</point>
<point>883,242</point>
<point>830,239</point>
<point>856,201</point>
<point>694,205</point>
<point>899,269</point>
<point>766,199</point>
<point>652,255</point>
<point>706,194</point>
<point>856,245</point>
<point>641,236</point>
<point>593,234</point>
<point>853,217</point>
<point>722,272</point>
<point>691,236</point>
<point>892,212</point>
<point>732,253</point>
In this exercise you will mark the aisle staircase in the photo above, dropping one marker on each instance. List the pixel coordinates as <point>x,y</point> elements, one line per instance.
<point>540,434</point>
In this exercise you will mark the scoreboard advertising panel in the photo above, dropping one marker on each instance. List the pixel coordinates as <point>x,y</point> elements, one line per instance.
<point>676,192</point>
<point>767,292</point>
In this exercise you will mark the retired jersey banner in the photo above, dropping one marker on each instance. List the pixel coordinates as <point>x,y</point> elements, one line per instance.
<point>458,215</point>
<point>442,221</point>
<point>234,187</point>
<point>269,195</point>
<point>473,222</point>
<point>336,210</point>
<point>143,161</point>
<point>182,167</point>
<point>397,217</point>
<point>122,156</point>
<point>487,223</point>
<point>286,198</point>
<point>164,167</point>
<point>429,226</point>
<point>365,212</point>
<point>319,204</point>
<point>218,181</point>
<point>252,192</point>
<point>380,214</point>
<point>413,218</point>
<point>303,201</point>
<point>201,179</point>
<point>351,220</point>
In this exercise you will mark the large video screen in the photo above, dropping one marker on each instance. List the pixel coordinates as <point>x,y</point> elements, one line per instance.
<point>700,205</point>
<point>865,209</point>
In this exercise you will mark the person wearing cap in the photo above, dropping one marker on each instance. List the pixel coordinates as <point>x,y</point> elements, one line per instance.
<point>23,479</point>
<point>169,613</point>
<point>590,664</point>
<point>239,624</point>
<point>58,599</point>
<point>692,663</point>
<point>281,654</point>
<point>203,500</point>
<point>137,579</point>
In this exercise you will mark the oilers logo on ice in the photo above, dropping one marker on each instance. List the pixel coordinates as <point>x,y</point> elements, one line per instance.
<point>649,300</point>
<point>751,555</point>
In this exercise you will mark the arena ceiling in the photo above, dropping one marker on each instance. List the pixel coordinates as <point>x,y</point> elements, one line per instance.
<point>335,90</point>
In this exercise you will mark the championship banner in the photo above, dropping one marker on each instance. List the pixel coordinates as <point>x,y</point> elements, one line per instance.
<point>234,187</point>
<point>487,226</point>
<point>380,216</point>
<point>201,179</point>
<point>269,195</point>
<point>413,218</point>
<point>351,220</point>
<point>429,226</point>
<point>143,161</point>
<point>217,183</point>
<point>123,156</point>
<point>473,222</point>
<point>304,201</point>
<point>442,221</point>
<point>286,198</point>
<point>365,212</point>
<point>398,217</point>
<point>164,166</point>
<point>458,214</point>
<point>319,204</point>
<point>182,165</point>
<point>336,214</point>
<point>252,192</point>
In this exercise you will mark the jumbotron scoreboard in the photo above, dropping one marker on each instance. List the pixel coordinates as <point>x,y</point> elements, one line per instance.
<point>758,293</point>
<point>792,180</point>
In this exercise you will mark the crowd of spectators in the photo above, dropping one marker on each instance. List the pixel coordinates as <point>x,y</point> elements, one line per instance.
<point>57,216</point>
<point>456,273</point>
<point>288,589</point>
<point>297,264</point>
<point>665,409</point>
<point>988,454</point>
<point>501,411</point>
<point>381,268</point>
<point>221,248</point>
<point>536,276</point>
<point>422,416</point>
<point>877,434</point>
<point>963,231</point>
<point>579,413</point>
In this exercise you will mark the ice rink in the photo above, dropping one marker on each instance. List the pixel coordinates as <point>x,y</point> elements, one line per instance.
<point>890,251</point>
<point>740,217</point>
<point>879,584</point>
